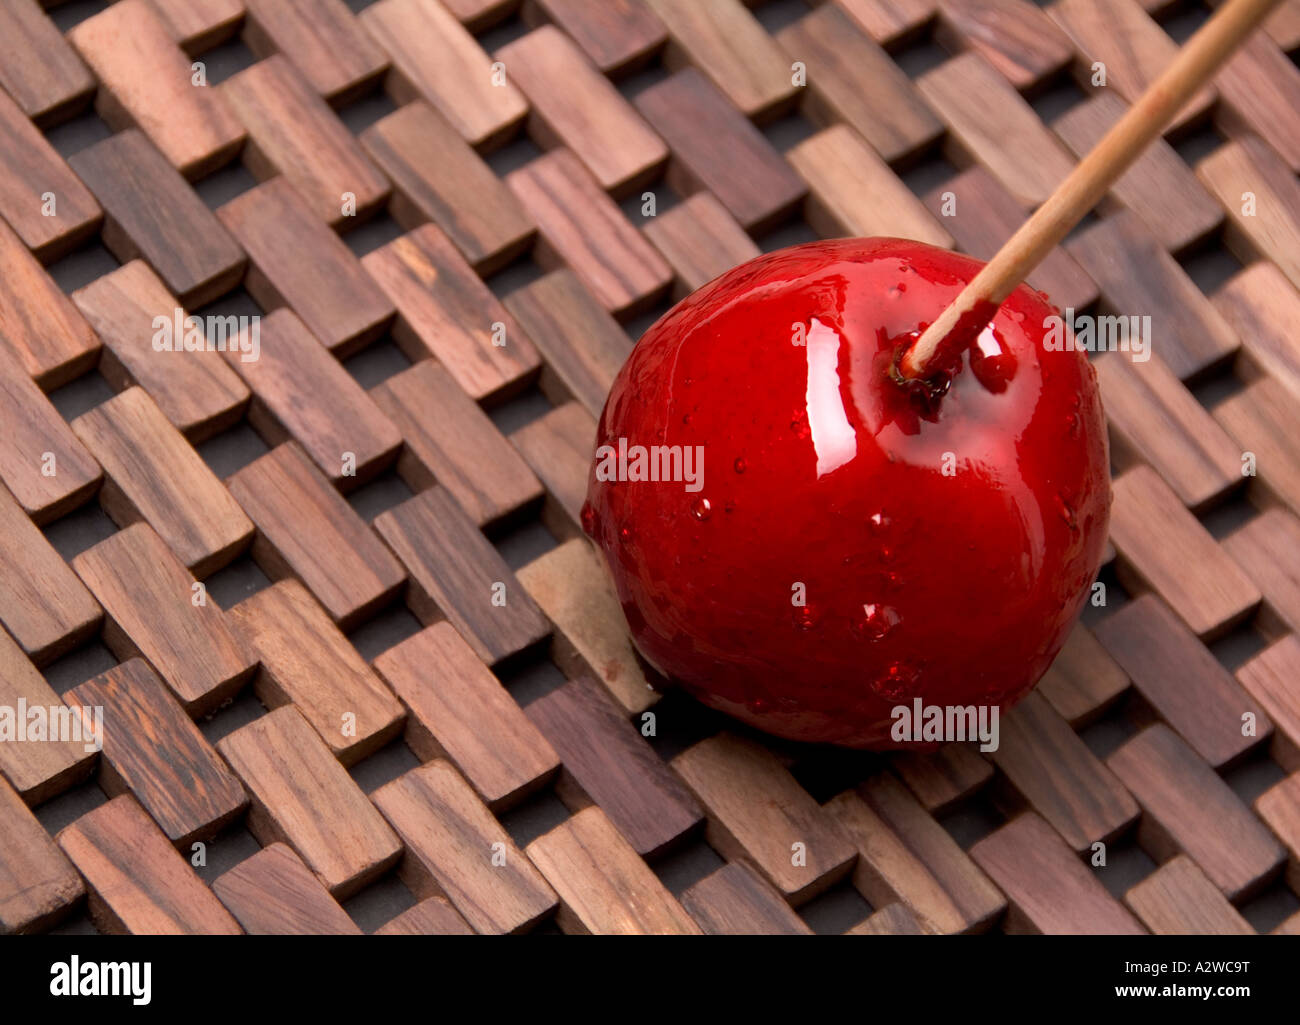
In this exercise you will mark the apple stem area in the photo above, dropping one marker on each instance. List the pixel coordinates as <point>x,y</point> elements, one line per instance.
<point>962,321</point>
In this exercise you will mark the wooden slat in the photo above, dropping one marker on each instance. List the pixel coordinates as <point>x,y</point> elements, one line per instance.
<point>1263,419</point>
<point>42,462</point>
<point>37,769</point>
<point>709,140</point>
<point>31,172</point>
<point>573,589</point>
<point>151,212</point>
<point>1254,548</point>
<point>38,68</point>
<point>727,43</point>
<point>609,763</point>
<point>42,603</point>
<point>574,105</point>
<point>274,894</point>
<point>445,311</point>
<point>905,855</point>
<point>459,711</point>
<point>197,25</point>
<point>604,886</point>
<point>580,226</point>
<point>1170,552</point>
<point>195,390</point>
<point>1154,419</point>
<point>758,813</point>
<point>1178,900</point>
<point>1188,809</point>
<point>456,849</point>
<point>337,300</point>
<point>890,21</point>
<point>38,885</point>
<point>736,901</point>
<point>1134,49</point>
<point>1159,188</point>
<point>154,475</point>
<point>1260,87</point>
<point>1181,679</point>
<point>1270,679</point>
<point>303,797</point>
<point>617,35</point>
<point>137,882</point>
<point>293,132</point>
<point>851,80</point>
<point>1260,304</point>
<point>435,59</point>
<point>153,610</point>
<point>1049,890</point>
<point>1047,763</point>
<point>558,446</point>
<point>477,15</point>
<point>326,680</point>
<point>943,779</point>
<point>438,177</point>
<point>1015,36</point>
<point>147,82</point>
<point>990,124</point>
<point>456,573</point>
<point>48,338</point>
<point>983,215</point>
<point>307,531</point>
<point>432,917</point>
<point>322,38</point>
<point>1270,225</point>
<point>700,240</point>
<point>450,441</point>
<point>1084,680</point>
<point>583,346</point>
<point>1279,807</point>
<point>893,920</point>
<point>301,391</point>
<point>855,193</point>
<point>1139,278</point>
<point>153,750</point>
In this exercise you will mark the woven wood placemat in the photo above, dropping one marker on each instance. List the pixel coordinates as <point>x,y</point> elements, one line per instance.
<point>429,232</point>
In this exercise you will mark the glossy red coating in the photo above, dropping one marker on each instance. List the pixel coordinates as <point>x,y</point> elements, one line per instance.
<point>943,539</point>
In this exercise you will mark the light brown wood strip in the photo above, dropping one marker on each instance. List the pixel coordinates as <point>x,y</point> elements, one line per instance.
<point>1260,304</point>
<point>456,849</point>
<point>38,768</point>
<point>1015,36</point>
<point>1084,680</point>
<point>460,711</point>
<point>891,21</point>
<point>38,885</point>
<point>307,531</point>
<point>43,604</point>
<point>571,586</point>
<point>943,779</point>
<point>1279,807</point>
<point>580,226</point>
<point>1178,900</point>
<point>154,475</point>
<point>604,887</point>
<point>147,82</point>
<point>274,894</point>
<point>700,240</point>
<point>457,574</point>
<point>438,177</point>
<point>1049,890</point>
<point>758,813</point>
<point>326,680</point>
<point>137,882</point>
<point>445,311</point>
<point>38,68</point>
<point>736,901</point>
<point>293,132</point>
<point>1260,87</point>
<point>322,38</point>
<point>154,609</point>
<point>197,25</point>
<point>432,917</point>
<point>617,35</point>
<point>1270,678</point>
<point>1263,419</point>
<point>558,446</point>
<point>1254,548</point>
<point>195,390</point>
<point>303,797</point>
<point>1188,809</point>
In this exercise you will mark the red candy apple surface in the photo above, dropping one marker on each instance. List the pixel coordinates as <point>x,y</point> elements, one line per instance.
<point>854,540</point>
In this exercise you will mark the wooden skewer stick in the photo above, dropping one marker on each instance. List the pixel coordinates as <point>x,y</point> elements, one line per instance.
<point>968,314</point>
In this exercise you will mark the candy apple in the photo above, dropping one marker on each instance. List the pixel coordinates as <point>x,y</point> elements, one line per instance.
<point>806,538</point>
